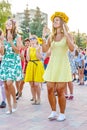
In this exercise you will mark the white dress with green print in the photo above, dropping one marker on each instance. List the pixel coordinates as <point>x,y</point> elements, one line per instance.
<point>11,68</point>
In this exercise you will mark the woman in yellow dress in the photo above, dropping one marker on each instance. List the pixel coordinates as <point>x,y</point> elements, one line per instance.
<point>35,69</point>
<point>58,71</point>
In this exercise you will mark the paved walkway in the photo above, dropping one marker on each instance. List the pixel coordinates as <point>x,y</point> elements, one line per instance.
<point>31,117</point>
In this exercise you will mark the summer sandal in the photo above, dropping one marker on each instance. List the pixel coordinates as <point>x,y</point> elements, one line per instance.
<point>34,102</point>
<point>71,98</point>
<point>38,102</point>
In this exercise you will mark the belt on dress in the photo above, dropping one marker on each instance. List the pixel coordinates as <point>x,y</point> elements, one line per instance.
<point>34,61</point>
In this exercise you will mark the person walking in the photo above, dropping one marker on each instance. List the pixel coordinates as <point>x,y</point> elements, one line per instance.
<point>35,69</point>
<point>58,71</point>
<point>11,69</point>
<point>3,103</point>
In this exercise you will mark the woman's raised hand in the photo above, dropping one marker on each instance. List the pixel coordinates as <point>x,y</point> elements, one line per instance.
<point>65,29</point>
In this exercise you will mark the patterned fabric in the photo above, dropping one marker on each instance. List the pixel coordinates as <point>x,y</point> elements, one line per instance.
<point>35,68</point>
<point>11,68</point>
<point>58,69</point>
<point>72,62</point>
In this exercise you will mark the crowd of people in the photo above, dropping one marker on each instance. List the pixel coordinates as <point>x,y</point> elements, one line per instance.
<point>57,61</point>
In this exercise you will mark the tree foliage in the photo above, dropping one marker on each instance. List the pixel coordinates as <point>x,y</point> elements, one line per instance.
<point>25,24</point>
<point>37,24</point>
<point>80,39</point>
<point>5,12</point>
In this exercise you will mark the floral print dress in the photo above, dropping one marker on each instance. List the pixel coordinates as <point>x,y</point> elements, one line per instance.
<point>11,68</point>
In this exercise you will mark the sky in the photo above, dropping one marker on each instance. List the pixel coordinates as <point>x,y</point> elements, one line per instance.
<point>75,9</point>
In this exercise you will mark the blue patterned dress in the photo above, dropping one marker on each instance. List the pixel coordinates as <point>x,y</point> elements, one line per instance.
<point>71,56</point>
<point>11,68</point>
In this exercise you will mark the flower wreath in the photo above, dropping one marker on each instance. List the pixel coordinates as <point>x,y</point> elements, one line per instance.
<point>62,15</point>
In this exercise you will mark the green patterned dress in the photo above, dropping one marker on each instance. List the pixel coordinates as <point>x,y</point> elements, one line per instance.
<point>11,68</point>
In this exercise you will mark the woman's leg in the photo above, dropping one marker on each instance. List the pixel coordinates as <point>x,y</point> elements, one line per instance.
<point>38,92</point>
<point>51,96</point>
<point>12,92</point>
<point>61,100</point>
<point>61,96</point>
<point>70,85</point>
<point>66,92</point>
<point>33,91</point>
<point>3,103</point>
<point>52,100</point>
<point>20,89</point>
<point>3,91</point>
<point>81,76</point>
<point>8,96</point>
<point>17,83</point>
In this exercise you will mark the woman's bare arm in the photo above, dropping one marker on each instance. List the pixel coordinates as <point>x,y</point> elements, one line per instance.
<point>27,56</point>
<point>69,38</point>
<point>46,45</point>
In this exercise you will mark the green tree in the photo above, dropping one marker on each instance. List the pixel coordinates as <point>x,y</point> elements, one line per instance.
<point>80,40</point>
<point>25,24</point>
<point>5,12</point>
<point>37,24</point>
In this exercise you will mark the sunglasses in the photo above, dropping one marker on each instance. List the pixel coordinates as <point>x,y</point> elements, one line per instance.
<point>33,38</point>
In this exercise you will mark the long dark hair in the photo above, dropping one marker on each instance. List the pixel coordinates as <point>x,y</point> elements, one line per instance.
<point>13,30</point>
<point>0,32</point>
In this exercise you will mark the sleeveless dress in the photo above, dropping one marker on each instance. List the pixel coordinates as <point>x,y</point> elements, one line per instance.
<point>11,68</point>
<point>58,69</point>
<point>35,68</point>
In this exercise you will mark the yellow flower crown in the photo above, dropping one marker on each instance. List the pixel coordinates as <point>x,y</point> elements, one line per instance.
<point>39,40</point>
<point>62,15</point>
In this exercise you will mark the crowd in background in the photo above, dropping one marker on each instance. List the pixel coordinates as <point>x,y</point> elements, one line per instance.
<point>23,60</point>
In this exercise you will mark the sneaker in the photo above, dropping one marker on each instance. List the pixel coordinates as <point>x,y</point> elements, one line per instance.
<point>52,116</point>
<point>3,104</point>
<point>14,109</point>
<point>61,117</point>
<point>8,112</point>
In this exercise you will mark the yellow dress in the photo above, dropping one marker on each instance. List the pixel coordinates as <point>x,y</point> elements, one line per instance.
<point>58,69</point>
<point>35,68</point>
